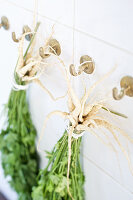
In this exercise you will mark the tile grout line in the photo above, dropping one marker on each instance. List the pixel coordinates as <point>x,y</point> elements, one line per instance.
<point>108,175</point>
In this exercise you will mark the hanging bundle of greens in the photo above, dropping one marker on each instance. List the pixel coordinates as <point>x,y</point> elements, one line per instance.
<point>52,181</point>
<point>63,179</point>
<point>17,144</point>
<point>17,141</point>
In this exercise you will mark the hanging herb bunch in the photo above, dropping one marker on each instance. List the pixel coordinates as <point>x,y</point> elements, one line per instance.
<point>52,181</point>
<point>17,140</point>
<point>63,177</point>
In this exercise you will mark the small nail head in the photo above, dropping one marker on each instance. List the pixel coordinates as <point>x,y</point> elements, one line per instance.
<point>88,67</point>
<point>5,22</point>
<point>127,82</point>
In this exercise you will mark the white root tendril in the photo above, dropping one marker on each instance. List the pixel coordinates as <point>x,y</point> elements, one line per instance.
<point>37,81</point>
<point>64,115</point>
<point>31,68</point>
<point>93,87</point>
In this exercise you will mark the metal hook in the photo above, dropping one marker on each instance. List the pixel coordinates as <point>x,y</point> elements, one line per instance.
<point>54,47</point>
<point>4,23</point>
<point>118,95</point>
<point>86,64</point>
<point>126,84</point>
<point>72,70</point>
<point>42,54</point>
<point>26,29</point>
<point>14,37</point>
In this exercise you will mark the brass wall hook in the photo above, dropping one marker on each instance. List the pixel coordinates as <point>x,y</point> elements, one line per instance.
<point>72,70</point>
<point>14,37</point>
<point>87,65</point>
<point>4,23</point>
<point>42,54</point>
<point>126,84</point>
<point>54,47</point>
<point>26,29</point>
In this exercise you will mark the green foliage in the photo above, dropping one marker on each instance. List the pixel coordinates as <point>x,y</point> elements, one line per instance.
<point>17,144</point>
<point>52,181</point>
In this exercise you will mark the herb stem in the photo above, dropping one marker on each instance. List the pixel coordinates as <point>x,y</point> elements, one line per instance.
<point>115,113</point>
<point>32,39</point>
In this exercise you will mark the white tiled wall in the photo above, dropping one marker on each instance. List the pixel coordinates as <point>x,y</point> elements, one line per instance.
<point>103,31</point>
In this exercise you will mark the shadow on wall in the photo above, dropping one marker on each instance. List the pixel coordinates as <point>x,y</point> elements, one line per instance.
<point>2,197</point>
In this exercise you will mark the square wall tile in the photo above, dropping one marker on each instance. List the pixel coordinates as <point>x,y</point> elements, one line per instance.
<point>108,20</point>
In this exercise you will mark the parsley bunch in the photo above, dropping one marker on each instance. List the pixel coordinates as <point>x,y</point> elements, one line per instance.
<point>52,181</point>
<point>17,143</point>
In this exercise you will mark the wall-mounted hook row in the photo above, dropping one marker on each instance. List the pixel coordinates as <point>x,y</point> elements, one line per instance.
<point>4,23</point>
<point>25,29</point>
<point>126,85</point>
<point>53,47</point>
<point>87,65</point>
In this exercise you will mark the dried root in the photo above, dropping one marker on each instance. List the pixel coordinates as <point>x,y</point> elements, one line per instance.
<point>30,68</point>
